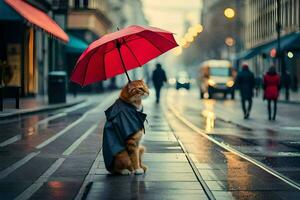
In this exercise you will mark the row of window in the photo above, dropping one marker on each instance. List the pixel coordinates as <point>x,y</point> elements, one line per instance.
<point>261,18</point>
<point>87,4</point>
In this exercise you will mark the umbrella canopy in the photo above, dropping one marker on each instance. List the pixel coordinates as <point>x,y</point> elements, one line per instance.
<point>121,51</point>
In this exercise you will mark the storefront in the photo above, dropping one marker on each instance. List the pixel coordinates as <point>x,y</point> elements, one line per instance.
<point>21,28</point>
<point>263,56</point>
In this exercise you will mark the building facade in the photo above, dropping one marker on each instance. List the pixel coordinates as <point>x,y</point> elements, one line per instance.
<point>26,45</point>
<point>217,29</point>
<point>260,37</point>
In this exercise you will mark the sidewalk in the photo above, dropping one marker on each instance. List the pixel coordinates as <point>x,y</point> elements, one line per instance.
<point>294,96</point>
<point>230,111</point>
<point>31,105</point>
<point>169,174</point>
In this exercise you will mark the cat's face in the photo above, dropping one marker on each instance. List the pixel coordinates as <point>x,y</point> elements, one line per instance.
<point>135,90</point>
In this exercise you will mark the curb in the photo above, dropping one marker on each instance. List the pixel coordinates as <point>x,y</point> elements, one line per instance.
<point>41,109</point>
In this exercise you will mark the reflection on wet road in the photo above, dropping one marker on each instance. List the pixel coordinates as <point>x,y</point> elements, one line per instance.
<point>47,155</point>
<point>26,128</point>
<point>267,145</point>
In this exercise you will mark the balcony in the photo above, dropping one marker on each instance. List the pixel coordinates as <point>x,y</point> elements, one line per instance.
<point>91,19</point>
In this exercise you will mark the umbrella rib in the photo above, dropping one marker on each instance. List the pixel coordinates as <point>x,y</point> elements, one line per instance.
<point>132,53</point>
<point>105,76</point>
<point>151,43</point>
<point>88,66</point>
<point>165,38</point>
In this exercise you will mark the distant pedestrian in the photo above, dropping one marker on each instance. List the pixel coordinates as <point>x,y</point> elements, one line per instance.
<point>286,83</point>
<point>271,90</point>
<point>158,78</point>
<point>245,82</point>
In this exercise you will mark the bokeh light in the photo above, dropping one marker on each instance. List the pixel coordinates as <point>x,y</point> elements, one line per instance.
<point>229,13</point>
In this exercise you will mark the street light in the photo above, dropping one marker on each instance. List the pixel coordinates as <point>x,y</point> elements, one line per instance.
<point>290,54</point>
<point>229,13</point>
<point>177,51</point>
<point>198,28</point>
<point>229,41</point>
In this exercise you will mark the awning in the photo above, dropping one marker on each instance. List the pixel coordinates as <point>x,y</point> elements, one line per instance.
<point>38,18</point>
<point>75,45</point>
<point>287,42</point>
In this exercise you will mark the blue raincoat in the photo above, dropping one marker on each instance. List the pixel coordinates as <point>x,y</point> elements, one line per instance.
<point>122,120</point>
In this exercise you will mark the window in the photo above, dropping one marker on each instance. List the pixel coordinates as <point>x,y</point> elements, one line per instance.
<point>219,71</point>
<point>81,4</point>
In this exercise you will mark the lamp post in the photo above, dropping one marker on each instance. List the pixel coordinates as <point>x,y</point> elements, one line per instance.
<point>280,55</point>
<point>278,30</point>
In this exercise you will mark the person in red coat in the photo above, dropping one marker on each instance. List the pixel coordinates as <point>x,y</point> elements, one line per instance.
<point>271,90</point>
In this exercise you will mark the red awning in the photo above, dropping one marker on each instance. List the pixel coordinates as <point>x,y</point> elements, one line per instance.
<point>38,18</point>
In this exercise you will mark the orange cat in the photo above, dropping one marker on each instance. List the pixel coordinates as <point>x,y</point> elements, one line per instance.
<point>124,114</point>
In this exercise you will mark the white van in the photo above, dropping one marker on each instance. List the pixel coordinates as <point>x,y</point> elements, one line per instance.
<point>216,76</point>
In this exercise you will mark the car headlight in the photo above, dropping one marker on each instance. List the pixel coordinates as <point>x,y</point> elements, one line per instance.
<point>211,82</point>
<point>230,83</point>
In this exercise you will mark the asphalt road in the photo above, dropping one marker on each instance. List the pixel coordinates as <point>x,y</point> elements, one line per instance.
<point>47,155</point>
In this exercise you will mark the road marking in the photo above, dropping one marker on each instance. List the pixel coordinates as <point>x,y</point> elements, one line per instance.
<point>44,121</point>
<point>54,137</point>
<point>71,148</point>
<point>10,140</point>
<point>16,165</point>
<point>64,113</point>
<point>40,181</point>
<point>232,150</point>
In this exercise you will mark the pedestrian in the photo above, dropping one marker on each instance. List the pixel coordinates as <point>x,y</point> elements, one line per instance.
<point>286,83</point>
<point>271,90</point>
<point>245,83</point>
<point>158,78</point>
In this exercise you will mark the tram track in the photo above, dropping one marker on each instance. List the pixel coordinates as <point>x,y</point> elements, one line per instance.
<point>228,147</point>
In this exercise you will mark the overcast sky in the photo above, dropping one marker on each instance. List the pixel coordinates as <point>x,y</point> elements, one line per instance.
<point>171,14</point>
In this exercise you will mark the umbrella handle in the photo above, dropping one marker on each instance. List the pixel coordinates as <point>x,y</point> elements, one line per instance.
<point>119,47</point>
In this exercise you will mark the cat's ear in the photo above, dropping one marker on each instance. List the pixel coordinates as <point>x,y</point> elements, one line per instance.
<point>130,86</point>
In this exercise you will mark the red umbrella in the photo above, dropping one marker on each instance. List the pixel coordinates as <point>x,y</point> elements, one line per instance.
<point>121,51</point>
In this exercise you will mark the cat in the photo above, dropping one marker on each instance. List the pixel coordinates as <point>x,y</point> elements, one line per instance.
<point>130,160</point>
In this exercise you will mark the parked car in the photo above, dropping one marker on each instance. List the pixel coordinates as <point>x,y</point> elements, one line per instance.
<point>216,76</point>
<point>183,80</point>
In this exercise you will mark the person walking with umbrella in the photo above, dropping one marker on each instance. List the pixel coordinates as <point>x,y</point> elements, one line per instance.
<point>158,79</point>
<point>271,90</point>
<point>245,82</point>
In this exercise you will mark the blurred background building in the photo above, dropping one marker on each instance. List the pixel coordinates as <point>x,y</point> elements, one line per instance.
<point>260,36</point>
<point>223,25</point>
<point>28,52</point>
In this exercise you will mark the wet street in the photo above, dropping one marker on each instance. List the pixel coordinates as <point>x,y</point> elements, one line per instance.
<point>196,149</point>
